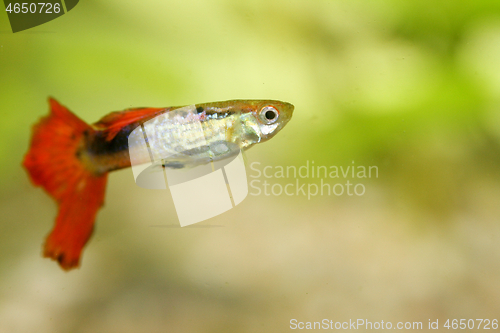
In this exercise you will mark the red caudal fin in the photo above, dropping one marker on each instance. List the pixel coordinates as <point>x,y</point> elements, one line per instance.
<point>52,163</point>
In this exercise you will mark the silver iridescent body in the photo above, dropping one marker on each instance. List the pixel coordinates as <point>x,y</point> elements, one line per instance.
<point>198,134</point>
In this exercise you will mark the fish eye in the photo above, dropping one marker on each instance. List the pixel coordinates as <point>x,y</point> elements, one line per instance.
<point>269,114</point>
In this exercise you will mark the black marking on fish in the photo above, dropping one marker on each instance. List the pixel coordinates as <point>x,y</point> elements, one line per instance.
<point>98,145</point>
<point>173,165</point>
<point>219,115</point>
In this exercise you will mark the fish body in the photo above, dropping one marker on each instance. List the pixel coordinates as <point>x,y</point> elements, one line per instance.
<point>71,159</point>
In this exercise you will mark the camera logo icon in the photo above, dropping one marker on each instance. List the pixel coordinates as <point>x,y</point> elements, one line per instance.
<point>205,177</point>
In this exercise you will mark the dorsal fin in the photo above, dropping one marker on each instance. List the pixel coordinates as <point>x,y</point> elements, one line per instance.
<point>115,121</point>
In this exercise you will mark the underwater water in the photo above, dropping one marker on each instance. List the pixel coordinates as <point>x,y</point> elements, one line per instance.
<point>378,201</point>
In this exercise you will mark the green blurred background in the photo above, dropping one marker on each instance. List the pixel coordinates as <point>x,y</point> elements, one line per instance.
<point>412,87</point>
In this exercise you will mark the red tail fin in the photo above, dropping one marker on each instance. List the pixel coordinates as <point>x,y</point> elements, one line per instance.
<point>52,162</point>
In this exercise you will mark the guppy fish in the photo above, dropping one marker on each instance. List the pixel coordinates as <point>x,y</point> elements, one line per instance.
<point>71,159</point>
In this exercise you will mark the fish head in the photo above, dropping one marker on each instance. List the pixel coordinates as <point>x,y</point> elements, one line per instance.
<point>262,120</point>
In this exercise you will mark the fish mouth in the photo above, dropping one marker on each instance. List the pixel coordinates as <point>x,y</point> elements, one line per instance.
<point>287,112</point>
<point>288,109</point>
<point>289,106</point>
